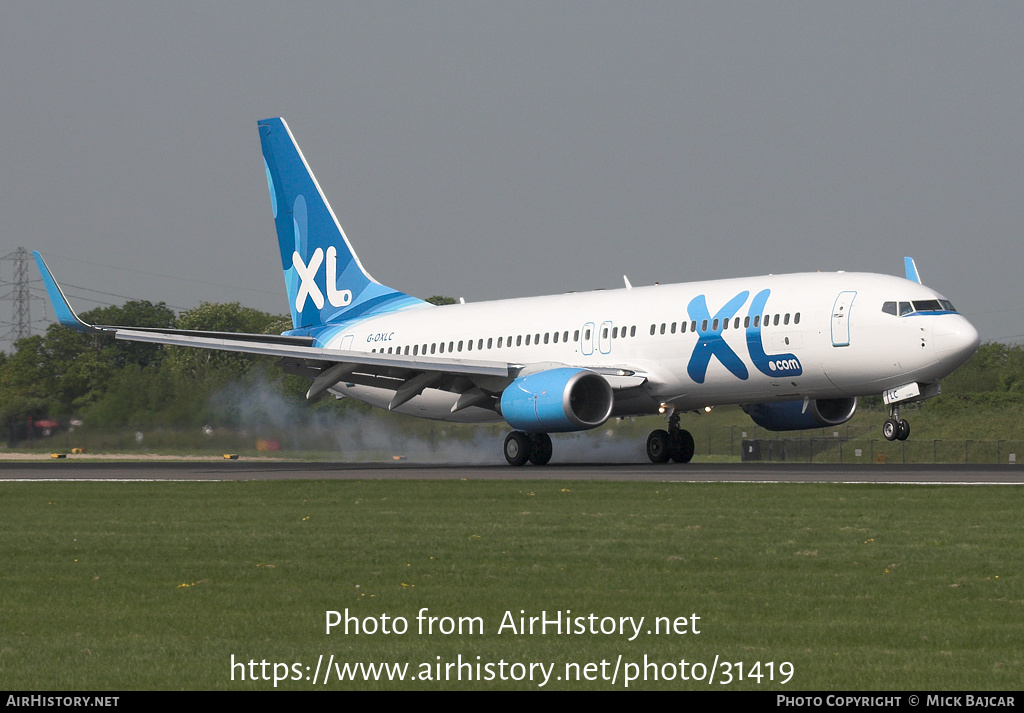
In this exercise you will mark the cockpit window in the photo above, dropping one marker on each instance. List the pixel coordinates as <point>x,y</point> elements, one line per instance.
<point>917,306</point>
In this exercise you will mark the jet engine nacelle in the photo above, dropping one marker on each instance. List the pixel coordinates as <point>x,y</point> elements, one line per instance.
<point>557,400</point>
<point>792,416</point>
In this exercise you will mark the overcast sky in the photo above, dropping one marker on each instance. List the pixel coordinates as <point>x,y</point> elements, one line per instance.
<point>490,150</point>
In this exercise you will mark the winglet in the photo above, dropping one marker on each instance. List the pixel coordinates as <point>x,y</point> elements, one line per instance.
<point>912,274</point>
<point>65,314</point>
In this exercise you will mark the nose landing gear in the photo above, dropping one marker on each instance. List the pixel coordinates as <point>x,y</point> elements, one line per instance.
<point>896,428</point>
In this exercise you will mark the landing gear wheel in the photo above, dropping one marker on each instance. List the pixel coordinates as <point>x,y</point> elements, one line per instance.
<point>517,448</point>
<point>903,429</point>
<point>541,449</point>
<point>682,446</point>
<point>659,446</point>
<point>891,429</point>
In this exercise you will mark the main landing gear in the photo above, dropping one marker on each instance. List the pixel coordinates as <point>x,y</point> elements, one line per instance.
<point>896,428</point>
<point>675,443</point>
<point>534,447</point>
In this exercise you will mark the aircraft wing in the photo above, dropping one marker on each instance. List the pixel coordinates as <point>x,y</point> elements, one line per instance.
<point>66,316</point>
<point>329,366</point>
<point>477,381</point>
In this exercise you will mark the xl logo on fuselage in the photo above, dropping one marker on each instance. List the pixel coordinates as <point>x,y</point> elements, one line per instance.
<point>712,344</point>
<point>309,288</point>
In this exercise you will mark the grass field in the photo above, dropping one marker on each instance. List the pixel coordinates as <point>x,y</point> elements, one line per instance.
<point>157,585</point>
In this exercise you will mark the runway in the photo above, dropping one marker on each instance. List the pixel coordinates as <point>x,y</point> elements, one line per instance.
<point>238,470</point>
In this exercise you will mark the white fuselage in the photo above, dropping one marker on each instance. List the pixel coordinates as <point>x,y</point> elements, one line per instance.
<point>787,337</point>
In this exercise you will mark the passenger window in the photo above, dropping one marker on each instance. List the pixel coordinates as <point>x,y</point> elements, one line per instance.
<point>672,328</point>
<point>433,347</point>
<point>489,342</point>
<point>662,328</point>
<point>460,345</point>
<point>528,339</point>
<point>519,340</point>
<point>555,337</point>
<point>704,325</point>
<point>725,324</point>
<point>775,322</point>
<point>499,342</point>
<point>746,322</point>
<point>654,328</point>
<point>632,331</point>
<point>682,327</point>
<point>565,336</point>
<point>796,318</point>
<point>786,319</point>
<point>714,326</point>
<point>586,335</point>
<point>575,335</point>
<point>545,337</point>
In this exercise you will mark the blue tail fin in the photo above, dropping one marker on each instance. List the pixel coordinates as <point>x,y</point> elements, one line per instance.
<point>325,280</point>
<point>910,267</point>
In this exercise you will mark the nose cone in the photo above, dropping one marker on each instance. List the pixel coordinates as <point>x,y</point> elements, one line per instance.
<point>955,339</point>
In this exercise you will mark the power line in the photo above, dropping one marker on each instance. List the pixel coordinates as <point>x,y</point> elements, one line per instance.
<point>20,295</point>
<point>180,278</point>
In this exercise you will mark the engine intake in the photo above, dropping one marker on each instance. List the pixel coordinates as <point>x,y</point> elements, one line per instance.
<point>557,400</point>
<point>792,416</point>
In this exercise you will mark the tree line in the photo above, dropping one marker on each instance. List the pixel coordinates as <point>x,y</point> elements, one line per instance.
<point>63,374</point>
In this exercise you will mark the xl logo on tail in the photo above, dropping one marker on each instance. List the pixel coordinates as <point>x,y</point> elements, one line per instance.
<point>310,289</point>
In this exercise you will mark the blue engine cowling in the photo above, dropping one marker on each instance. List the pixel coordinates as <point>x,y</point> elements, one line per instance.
<point>557,400</point>
<point>792,416</point>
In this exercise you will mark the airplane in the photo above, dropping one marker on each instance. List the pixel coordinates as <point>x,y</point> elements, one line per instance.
<point>794,351</point>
